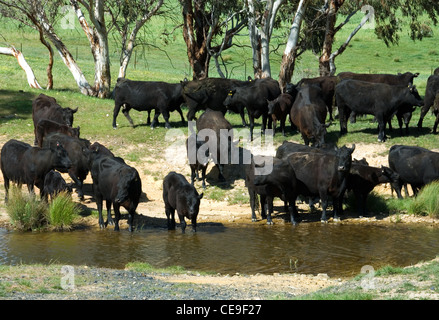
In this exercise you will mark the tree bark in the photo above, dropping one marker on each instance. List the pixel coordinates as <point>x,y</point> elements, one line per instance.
<point>98,39</point>
<point>289,55</point>
<point>260,37</point>
<point>333,6</point>
<point>195,30</point>
<point>31,79</point>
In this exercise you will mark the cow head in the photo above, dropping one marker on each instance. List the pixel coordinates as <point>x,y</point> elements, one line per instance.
<point>68,115</point>
<point>190,200</point>
<point>344,156</point>
<point>230,98</point>
<point>61,160</point>
<point>414,97</point>
<point>272,105</point>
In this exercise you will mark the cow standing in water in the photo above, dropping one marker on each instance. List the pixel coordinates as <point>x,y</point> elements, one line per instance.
<point>180,195</point>
<point>118,184</point>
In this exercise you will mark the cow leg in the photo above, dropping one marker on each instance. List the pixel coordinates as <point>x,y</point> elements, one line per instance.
<point>194,223</point>
<point>220,172</point>
<point>166,117</point>
<point>170,216</point>
<point>252,125</point>
<point>253,198</point>
<point>116,207</point>
<point>99,202</point>
<point>324,199</point>
<point>381,130</point>
<point>115,113</point>
<point>244,123</point>
<point>109,218</point>
<point>127,115</point>
<point>436,122</point>
<point>182,223</point>
<point>294,216</point>
<point>194,172</point>
<point>424,111</point>
<point>183,121</point>
<point>269,201</point>
<point>263,200</point>
<point>155,121</point>
<point>78,184</point>
<point>6,188</point>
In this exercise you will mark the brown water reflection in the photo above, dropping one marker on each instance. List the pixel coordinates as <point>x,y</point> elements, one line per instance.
<point>312,248</point>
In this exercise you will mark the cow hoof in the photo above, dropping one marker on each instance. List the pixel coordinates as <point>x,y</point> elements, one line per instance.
<point>337,220</point>
<point>270,223</point>
<point>254,220</point>
<point>323,221</point>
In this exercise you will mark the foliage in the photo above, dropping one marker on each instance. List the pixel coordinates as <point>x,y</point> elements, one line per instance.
<point>25,210</point>
<point>62,211</point>
<point>427,201</point>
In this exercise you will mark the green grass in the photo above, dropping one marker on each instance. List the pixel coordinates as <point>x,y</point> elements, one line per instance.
<point>62,211</point>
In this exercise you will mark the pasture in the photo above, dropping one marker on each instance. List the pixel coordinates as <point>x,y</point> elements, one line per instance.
<point>149,150</point>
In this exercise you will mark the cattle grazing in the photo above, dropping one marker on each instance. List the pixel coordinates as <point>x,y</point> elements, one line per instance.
<point>362,179</point>
<point>119,185</point>
<point>279,109</point>
<point>379,99</point>
<point>324,175</point>
<point>162,97</point>
<point>327,85</point>
<point>200,162</point>
<point>415,165</point>
<point>78,151</point>
<point>54,183</point>
<point>45,107</point>
<point>308,114</point>
<point>180,195</point>
<point>23,164</point>
<point>431,99</point>
<point>210,93</point>
<point>254,98</point>
<point>279,182</point>
<point>44,127</point>
<point>217,132</point>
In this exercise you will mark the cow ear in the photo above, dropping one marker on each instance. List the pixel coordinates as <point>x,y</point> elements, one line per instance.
<point>200,196</point>
<point>74,110</point>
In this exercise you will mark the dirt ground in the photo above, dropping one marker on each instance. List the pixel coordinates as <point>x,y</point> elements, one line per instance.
<point>152,171</point>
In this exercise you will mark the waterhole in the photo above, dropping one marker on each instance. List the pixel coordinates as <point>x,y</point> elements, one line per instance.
<point>339,250</point>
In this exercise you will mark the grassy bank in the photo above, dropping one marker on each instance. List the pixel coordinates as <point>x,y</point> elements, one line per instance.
<point>52,282</point>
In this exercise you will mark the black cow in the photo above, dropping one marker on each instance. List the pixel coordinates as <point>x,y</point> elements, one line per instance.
<point>279,109</point>
<point>308,114</point>
<point>288,147</point>
<point>362,179</point>
<point>415,165</point>
<point>217,132</point>
<point>22,163</point>
<point>45,107</point>
<point>400,79</point>
<point>210,93</point>
<point>279,182</point>
<point>180,195</point>
<point>327,85</point>
<point>44,127</point>
<point>118,184</point>
<point>379,99</point>
<point>323,175</point>
<point>160,96</point>
<point>255,99</point>
<point>54,183</point>
<point>197,161</point>
<point>78,151</point>
<point>431,99</point>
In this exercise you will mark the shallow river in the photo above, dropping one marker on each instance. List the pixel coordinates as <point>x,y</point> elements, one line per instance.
<point>338,250</point>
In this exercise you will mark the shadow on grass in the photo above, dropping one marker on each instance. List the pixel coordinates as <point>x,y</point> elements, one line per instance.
<point>15,104</point>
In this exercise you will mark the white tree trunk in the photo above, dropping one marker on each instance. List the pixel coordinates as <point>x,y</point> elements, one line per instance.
<point>31,79</point>
<point>288,58</point>
<point>260,37</point>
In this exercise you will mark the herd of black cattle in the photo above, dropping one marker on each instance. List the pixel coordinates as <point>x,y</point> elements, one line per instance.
<point>312,169</point>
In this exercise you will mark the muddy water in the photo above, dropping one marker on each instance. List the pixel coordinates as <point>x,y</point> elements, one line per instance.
<point>338,250</point>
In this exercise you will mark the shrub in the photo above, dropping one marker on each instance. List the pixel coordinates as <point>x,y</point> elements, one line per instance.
<point>25,210</point>
<point>62,211</point>
<point>427,201</point>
